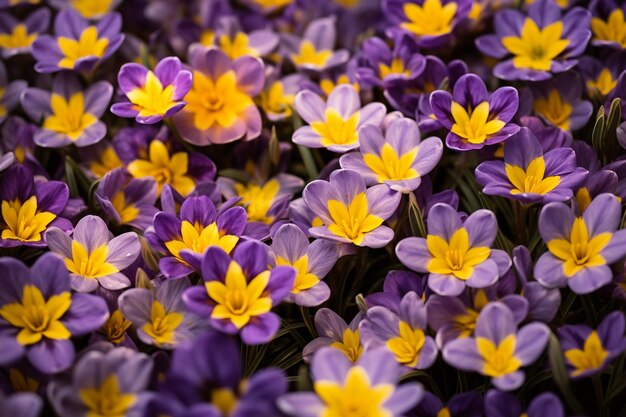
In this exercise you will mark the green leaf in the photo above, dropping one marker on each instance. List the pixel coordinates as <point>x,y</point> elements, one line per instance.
<point>274,148</point>
<point>561,378</point>
<point>416,219</point>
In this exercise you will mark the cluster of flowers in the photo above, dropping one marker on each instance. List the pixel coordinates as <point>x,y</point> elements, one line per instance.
<point>196,196</point>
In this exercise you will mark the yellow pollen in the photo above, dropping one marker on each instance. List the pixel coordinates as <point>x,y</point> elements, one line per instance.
<point>115,327</point>
<point>23,221</point>
<point>163,324</point>
<point>69,117</point>
<point>554,109</point>
<point>19,38</point>
<point>308,55</point>
<point>433,18</point>
<point>611,30</point>
<point>353,221</point>
<point>455,257</point>
<point>86,46</point>
<point>89,265</point>
<point>532,180</point>
<point>475,125</point>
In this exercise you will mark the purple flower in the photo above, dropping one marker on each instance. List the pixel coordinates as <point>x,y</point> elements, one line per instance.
<point>498,349</point>
<point>21,404</point>
<point>77,45</point>
<point>105,380</point>
<point>88,9</point>
<point>342,387</point>
<point>607,23</point>
<point>541,43</point>
<point>335,124</point>
<point>604,79</point>
<point>530,176</point>
<point>350,213</point>
<point>580,249</point>
<point>91,257</point>
<point>239,292</point>
<point>231,38</point>
<point>9,93</point>
<point>396,285</point>
<point>402,332</point>
<point>468,404</point>
<point>456,253</point>
<point>153,95</point>
<point>220,106</point>
<point>279,95</point>
<point>312,262</point>
<point>126,200</point>
<point>70,114</point>
<point>399,158</point>
<point>39,314</point>
<point>29,208</point>
<point>16,37</point>
<point>473,116</point>
<point>503,404</point>
<point>333,331</point>
<point>588,351</point>
<point>185,238</point>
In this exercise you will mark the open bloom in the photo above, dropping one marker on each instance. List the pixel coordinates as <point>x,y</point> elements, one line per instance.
<point>456,253</point>
<point>473,116</point>
<point>334,125</point>
<point>105,381</point>
<point>403,332</point>
<point>588,351</point>
<point>29,209</point>
<point>530,176</point>
<point>220,106</point>
<point>349,212</point>
<point>333,331</point>
<point>580,249</point>
<point>39,313</point>
<point>342,388</point>
<point>185,238</point>
<point>498,349</point>
<point>77,45</point>
<point>607,24</point>
<point>91,257</point>
<point>153,95</point>
<point>16,37</point>
<point>504,404</point>
<point>398,158</point>
<point>239,292</point>
<point>92,10</point>
<point>290,247</point>
<point>467,404</point>
<point>541,43</point>
<point>279,95</point>
<point>9,93</point>
<point>70,114</point>
<point>159,314</point>
<point>231,38</point>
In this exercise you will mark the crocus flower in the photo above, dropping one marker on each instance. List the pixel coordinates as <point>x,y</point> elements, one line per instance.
<point>185,238</point>
<point>239,292</point>
<point>16,37</point>
<point>231,38</point>
<point>17,138</point>
<point>39,313</point>
<point>396,285</point>
<point>604,79</point>
<point>126,200</point>
<point>70,114</point>
<point>29,209</point>
<point>9,93</point>
<point>431,23</point>
<point>398,158</point>
<point>530,176</point>
<point>473,117</point>
<point>542,42</point>
<point>333,331</point>
<point>92,10</point>
<point>220,106</point>
<point>159,314</point>
<point>315,50</point>
<point>278,97</point>
<point>105,381</point>
<point>588,351</point>
<point>350,213</point>
<point>580,249</point>
<point>342,388</point>
<point>312,262</point>
<point>456,253</point>
<point>335,124</point>
<point>402,333</point>
<point>467,404</point>
<point>91,258</point>
<point>77,45</point>
<point>21,404</point>
<point>504,404</point>
<point>498,349</point>
<point>607,23</point>
<point>152,95</point>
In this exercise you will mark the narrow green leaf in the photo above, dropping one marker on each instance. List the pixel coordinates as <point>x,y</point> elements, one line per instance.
<point>557,364</point>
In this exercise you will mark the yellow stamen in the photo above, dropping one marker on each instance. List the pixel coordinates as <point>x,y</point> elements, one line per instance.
<point>455,257</point>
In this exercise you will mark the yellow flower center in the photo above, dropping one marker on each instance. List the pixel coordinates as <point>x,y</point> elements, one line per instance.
<point>23,221</point>
<point>272,4</point>
<point>475,125</point>
<point>407,345</point>
<point>348,4</point>
<point>107,400</point>
<point>583,198</point>
<point>356,398</point>
<point>21,382</point>
<point>274,100</point>
<point>224,399</point>
<point>152,98</point>
<point>353,221</point>
<point>466,323</point>
<point>108,161</point>
<point>89,265</point>
<point>350,344</point>
<point>499,360</point>
<point>554,109</point>
<point>433,18</point>
<point>198,239</point>
<point>604,84</point>
<point>91,8</point>
<point>455,257</point>
<point>163,324</point>
<point>531,181</point>
<point>308,55</point>
<point>37,317</point>
<point>237,300</point>
<point>127,212</point>
<point>237,46</point>
<point>19,38</point>
<point>613,30</point>
<point>69,117</point>
<point>536,48</point>
<point>304,279</point>
<point>3,110</point>
<point>396,68</point>
<point>257,200</point>
<point>164,169</point>
<point>579,251</point>
<point>335,130</point>
<point>86,46</point>
<point>115,327</point>
<point>328,85</point>
<point>391,167</point>
<point>590,357</point>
